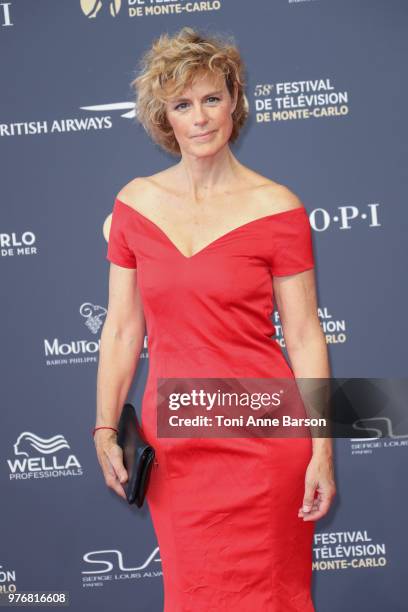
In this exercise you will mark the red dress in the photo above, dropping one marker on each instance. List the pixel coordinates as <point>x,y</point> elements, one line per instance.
<point>225,510</point>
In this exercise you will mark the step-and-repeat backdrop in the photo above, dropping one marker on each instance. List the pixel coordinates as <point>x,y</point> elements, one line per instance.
<point>327,94</point>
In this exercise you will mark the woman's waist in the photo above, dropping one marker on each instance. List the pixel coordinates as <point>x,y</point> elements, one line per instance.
<point>219,361</point>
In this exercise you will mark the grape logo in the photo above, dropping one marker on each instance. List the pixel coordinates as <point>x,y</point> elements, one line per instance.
<point>77,352</point>
<point>96,8</point>
<point>94,316</point>
<point>109,565</point>
<point>42,458</point>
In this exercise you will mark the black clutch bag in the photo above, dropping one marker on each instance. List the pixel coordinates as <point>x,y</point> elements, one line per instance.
<point>138,455</point>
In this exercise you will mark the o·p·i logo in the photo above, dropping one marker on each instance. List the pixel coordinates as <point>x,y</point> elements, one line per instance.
<point>94,8</point>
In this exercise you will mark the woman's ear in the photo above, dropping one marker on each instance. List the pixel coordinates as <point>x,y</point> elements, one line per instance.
<point>235,99</point>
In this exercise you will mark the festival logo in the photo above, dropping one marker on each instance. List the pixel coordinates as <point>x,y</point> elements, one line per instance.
<point>334,328</point>
<point>7,580</point>
<point>342,550</point>
<point>98,8</point>
<point>146,8</point>
<point>299,100</point>
<point>18,244</point>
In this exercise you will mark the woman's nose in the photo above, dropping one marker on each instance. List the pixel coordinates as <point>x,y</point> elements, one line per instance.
<point>199,115</point>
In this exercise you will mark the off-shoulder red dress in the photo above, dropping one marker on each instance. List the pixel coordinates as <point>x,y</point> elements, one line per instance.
<point>225,510</point>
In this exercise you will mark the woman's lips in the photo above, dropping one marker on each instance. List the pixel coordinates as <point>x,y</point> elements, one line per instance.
<point>204,135</point>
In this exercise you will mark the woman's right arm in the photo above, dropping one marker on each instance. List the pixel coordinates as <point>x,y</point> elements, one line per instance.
<point>121,343</point>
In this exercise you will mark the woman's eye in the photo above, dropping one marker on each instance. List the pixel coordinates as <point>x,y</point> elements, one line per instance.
<point>182,105</point>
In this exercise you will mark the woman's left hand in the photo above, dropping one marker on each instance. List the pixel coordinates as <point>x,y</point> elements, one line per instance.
<point>319,478</point>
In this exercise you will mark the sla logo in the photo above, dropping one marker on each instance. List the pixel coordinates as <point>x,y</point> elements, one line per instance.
<point>384,438</point>
<point>92,8</point>
<point>110,566</point>
<point>37,458</point>
<point>77,352</point>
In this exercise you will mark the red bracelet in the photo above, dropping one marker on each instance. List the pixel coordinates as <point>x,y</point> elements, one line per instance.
<point>103,427</point>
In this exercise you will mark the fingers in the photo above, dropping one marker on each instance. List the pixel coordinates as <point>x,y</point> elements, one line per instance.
<point>115,456</point>
<point>319,506</point>
<point>114,484</point>
<point>113,469</point>
<point>314,507</point>
<point>309,496</point>
<point>318,510</point>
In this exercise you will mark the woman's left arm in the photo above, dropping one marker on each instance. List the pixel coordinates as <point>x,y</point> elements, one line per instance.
<point>305,342</point>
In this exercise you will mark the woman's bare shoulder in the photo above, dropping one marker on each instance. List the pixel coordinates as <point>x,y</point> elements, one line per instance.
<point>145,186</point>
<point>281,198</point>
<point>135,191</point>
<point>274,197</point>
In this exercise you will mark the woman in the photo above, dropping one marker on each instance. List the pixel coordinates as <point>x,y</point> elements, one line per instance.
<point>197,252</point>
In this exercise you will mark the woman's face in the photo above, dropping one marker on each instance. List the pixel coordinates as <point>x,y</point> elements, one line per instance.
<point>205,108</point>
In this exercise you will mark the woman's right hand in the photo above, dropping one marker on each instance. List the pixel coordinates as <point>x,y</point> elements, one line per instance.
<point>110,457</point>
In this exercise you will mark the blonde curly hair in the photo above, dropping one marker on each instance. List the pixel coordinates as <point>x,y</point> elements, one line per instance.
<point>170,65</point>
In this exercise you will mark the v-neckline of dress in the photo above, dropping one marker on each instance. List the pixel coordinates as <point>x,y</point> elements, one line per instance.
<point>212,242</point>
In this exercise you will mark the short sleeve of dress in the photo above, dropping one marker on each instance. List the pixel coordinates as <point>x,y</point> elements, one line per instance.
<point>293,248</point>
<point>118,251</point>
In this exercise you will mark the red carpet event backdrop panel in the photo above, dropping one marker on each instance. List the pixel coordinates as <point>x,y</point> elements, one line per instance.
<point>326,96</point>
